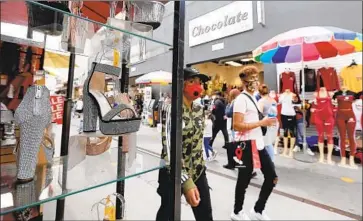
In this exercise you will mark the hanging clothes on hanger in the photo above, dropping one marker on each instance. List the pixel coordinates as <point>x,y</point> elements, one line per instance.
<point>310,79</point>
<point>288,81</point>
<point>352,77</point>
<point>327,77</point>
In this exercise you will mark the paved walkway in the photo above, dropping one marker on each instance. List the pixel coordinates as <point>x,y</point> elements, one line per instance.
<point>304,192</point>
<point>329,187</point>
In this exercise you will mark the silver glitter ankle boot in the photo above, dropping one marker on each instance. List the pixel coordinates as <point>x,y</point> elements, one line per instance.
<point>33,115</point>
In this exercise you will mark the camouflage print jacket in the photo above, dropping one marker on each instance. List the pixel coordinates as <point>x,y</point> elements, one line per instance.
<point>193,127</point>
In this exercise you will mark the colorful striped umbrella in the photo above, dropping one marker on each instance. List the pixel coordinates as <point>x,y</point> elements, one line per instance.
<point>311,43</point>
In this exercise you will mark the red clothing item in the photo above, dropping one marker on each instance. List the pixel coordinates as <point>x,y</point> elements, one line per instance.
<point>324,118</point>
<point>328,78</point>
<point>288,81</point>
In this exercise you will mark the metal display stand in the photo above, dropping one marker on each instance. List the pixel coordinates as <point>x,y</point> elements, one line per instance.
<point>176,107</point>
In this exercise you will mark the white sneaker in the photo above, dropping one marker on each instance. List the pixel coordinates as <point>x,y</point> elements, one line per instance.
<point>240,216</point>
<point>311,153</point>
<point>258,216</point>
<point>296,149</point>
<point>214,154</point>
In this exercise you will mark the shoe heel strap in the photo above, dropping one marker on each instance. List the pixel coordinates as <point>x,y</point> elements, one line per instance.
<point>107,69</point>
<point>116,110</point>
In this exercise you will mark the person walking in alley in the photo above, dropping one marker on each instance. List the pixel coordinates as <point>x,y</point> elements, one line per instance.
<point>206,138</point>
<point>265,103</point>
<point>251,152</point>
<point>194,179</point>
<point>219,118</point>
<point>233,94</point>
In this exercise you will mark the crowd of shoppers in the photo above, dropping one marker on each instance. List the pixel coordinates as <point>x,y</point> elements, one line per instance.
<point>253,134</point>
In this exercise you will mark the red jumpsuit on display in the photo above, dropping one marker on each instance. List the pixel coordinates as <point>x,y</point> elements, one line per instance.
<point>324,118</point>
<point>345,119</point>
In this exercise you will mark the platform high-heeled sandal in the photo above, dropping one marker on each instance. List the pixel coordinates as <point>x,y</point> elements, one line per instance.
<point>97,105</point>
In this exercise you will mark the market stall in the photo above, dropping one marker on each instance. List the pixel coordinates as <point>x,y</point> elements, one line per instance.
<point>309,44</point>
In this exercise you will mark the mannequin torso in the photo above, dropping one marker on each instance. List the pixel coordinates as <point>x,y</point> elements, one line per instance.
<point>286,100</point>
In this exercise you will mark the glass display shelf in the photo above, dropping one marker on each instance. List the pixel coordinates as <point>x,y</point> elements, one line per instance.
<point>49,185</point>
<point>67,32</point>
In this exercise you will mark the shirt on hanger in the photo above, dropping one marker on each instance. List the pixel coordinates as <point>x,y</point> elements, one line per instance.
<point>328,78</point>
<point>310,80</point>
<point>352,77</point>
<point>288,81</point>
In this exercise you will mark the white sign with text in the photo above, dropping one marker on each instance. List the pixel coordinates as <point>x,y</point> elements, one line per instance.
<point>228,20</point>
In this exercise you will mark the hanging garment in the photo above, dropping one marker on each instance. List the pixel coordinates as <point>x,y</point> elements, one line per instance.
<point>310,80</point>
<point>346,120</point>
<point>288,81</point>
<point>328,78</point>
<point>352,77</point>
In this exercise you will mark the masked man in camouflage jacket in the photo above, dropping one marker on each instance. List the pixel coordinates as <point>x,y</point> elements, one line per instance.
<point>194,180</point>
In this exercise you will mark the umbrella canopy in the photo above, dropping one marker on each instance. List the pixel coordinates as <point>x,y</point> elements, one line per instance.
<point>311,43</point>
<point>156,77</point>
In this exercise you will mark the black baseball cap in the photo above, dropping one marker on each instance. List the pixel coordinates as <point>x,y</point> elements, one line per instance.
<point>192,72</point>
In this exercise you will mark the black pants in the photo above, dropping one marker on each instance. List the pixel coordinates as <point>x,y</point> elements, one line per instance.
<point>289,125</point>
<point>203,212</point>
<point>219,126</point>
<point>245,175</point>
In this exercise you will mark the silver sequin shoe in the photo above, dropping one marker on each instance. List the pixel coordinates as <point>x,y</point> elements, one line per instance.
<point>96,105</point>
<point>33,115</point>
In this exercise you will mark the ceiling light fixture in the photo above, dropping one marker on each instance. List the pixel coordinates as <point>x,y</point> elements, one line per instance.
<point>233,63</point>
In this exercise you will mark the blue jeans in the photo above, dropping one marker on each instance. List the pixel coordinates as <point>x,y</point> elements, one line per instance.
<point>300,131</point>
<point>207,147</point>
<point>270,151</point>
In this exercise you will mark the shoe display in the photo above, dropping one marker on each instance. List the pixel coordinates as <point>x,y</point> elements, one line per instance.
<point>258,216</point>
<point>33,115</point>
<point>240,216</point>
<point>96,106</point>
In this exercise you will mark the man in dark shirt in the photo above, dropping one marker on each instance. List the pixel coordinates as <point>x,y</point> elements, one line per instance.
<point>219,118</point>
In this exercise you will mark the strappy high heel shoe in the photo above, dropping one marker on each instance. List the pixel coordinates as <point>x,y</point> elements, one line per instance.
<point>97,105</point>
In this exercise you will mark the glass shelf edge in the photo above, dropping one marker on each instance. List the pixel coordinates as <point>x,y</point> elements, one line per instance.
<point>80,191</point>
<point>99,23</point>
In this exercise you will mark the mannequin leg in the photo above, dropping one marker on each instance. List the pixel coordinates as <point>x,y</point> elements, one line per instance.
<point>329,126</point>
<point>342,130</point>
<point>330,153</point>
<point>351,135</point>
<point>276,146</point>
<point>286,140</point>
<point>292,144</point>
<point>321,152</point>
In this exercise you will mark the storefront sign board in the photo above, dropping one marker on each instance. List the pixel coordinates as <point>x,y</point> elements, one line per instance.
<point>228,20</point>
